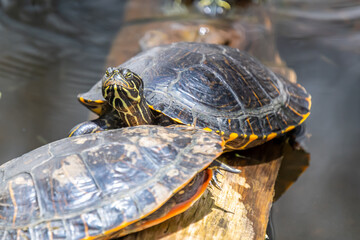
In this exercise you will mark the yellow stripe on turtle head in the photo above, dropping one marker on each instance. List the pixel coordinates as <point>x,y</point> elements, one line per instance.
<point>96,106</point>
<point>98,110</point>
<point>81,99</point>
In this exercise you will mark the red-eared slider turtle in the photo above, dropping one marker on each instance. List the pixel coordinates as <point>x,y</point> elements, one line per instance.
<point>106,184</point>
<point>214,87</point>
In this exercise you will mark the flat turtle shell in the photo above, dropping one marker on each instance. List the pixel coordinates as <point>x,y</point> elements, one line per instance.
<point>217,88</point>
<point>99,185</point>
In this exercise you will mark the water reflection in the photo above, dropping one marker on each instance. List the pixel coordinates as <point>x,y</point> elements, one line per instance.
<point>49,51</point>
<point>320,41</point>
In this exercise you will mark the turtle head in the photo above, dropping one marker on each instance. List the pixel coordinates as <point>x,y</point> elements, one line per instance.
<point>122,88</point>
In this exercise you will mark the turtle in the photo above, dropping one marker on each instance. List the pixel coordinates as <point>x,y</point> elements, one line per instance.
<point>107,184</point>
<point>214,87</point>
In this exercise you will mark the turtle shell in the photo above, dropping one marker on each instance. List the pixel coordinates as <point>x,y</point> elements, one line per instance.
<point>221,89</point>
<point>97,184</point>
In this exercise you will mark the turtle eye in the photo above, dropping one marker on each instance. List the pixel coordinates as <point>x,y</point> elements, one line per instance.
<point>128,75</point>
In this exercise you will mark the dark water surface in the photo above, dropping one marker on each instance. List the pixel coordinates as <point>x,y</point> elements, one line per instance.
<point>50,51</point>
<point>323,47</point>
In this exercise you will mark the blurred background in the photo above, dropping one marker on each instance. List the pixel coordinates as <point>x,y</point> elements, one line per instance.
<point>52,50</point>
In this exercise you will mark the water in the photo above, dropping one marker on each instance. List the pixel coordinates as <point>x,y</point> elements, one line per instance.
<point>323,47</point>
<point>50,51</point>
<point>48,54</point>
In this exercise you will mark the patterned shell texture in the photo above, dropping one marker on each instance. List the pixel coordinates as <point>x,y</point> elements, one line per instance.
<point>219,87</point>
<point>93,183</point>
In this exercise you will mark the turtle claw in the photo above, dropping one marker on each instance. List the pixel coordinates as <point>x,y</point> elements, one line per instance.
<point>219,165</point>
<point>219,172</point>
<point>216,166</point>
<point>215,181</point>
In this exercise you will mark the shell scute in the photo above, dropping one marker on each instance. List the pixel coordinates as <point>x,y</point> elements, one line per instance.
<point>14,208</point>
<point>65,185</point>
<point>88,224</point>
<point>180,58</point>
<point>118,212</point>
<point>113,167</point>
<point>145,200</point>
<point>206,87</point>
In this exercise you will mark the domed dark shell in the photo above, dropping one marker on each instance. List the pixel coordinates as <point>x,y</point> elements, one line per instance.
<point>218,88</point>
<point>222,89</point>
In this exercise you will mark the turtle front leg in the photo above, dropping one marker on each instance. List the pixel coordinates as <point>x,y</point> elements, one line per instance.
<point>107,121</point>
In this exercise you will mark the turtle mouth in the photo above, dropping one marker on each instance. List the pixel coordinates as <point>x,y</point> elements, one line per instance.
<point>117,81</point>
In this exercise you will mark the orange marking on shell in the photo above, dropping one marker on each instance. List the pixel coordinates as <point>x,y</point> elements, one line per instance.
<point>13,200</point>
<point>152,108</point>
<point>232,137</point>
<point>252,130</point>
<point>267,118</point>
<point>284,122</point>
<point>308,99</point>
<point>86,228</point>
<point>177,120</point>
<point>257,98</point>
<point>207,129</point>
<point>242,77</point>
<point>271,136</point>
<point>48,225</point>
<point>252,138</point>
<point>304,118</point>
<point>289,128</point>
<point>276,89</point>
<point>292,109</point>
